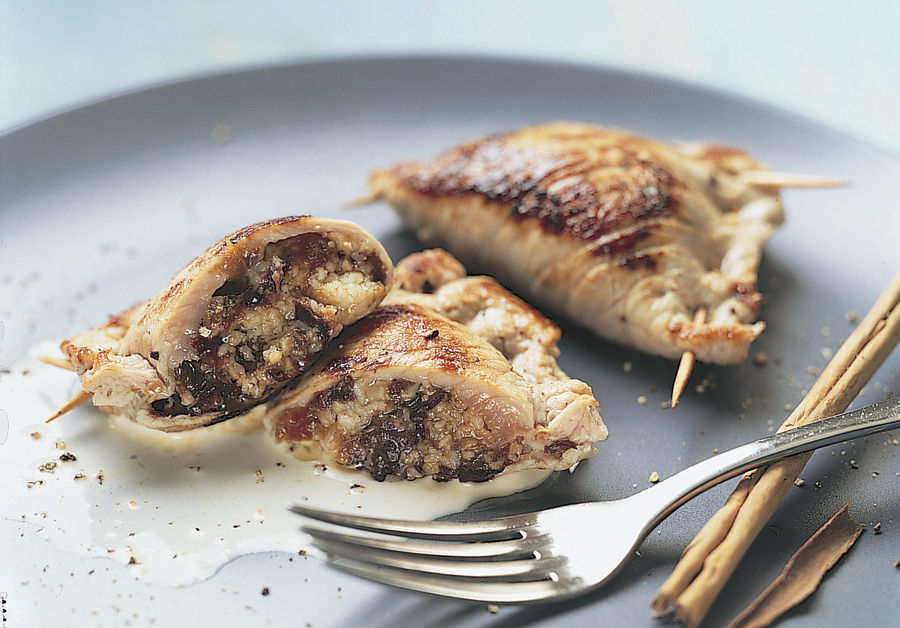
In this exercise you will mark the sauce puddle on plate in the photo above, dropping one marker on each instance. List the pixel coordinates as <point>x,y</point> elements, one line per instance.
<point>176,507</point>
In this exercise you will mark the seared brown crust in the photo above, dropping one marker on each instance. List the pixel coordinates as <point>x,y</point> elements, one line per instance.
<point>628,236</point>
<point>571,181</point>
<point>401,335</point>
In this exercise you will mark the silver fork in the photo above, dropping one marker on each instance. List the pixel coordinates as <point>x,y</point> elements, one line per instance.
<point>560,552</point>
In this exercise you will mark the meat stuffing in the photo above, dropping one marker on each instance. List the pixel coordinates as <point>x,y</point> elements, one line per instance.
<point>452,377</point>
<point>627,236</point>
<point>238,324</point>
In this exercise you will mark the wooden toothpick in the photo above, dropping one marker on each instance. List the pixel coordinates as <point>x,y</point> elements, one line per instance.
<point>770,179</point>
<point>686,365</point>
<point>62,363</point>
<point>77,399</point>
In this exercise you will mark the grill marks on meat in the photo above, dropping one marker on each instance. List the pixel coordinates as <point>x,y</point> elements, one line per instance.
<point>238,324</point>
<point>571,184</point>
<point>628,236</point>
<point>451,378</point>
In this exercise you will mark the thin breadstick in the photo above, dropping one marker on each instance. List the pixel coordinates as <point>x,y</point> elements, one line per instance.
<point>62,363</point>
<point>770,179</point>
<point>77,399</point>
<point>686,365</point>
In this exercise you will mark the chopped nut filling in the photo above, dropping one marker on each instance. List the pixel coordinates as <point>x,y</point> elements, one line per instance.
<point>265,326</point>
<point>405,429</point>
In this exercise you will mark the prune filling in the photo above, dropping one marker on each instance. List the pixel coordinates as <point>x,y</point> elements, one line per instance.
<point>260,331</point>
<point>384,442</point>
<point>400,441</point>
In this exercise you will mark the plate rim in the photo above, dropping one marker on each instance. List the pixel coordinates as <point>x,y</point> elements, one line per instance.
<point>619,72</point>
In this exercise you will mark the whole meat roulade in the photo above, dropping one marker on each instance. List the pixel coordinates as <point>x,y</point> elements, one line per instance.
<point>649,244</point>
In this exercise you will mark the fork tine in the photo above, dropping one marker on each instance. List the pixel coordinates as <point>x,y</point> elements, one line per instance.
<point>490,529</point>
<point>448,586</point>
<point>477,550</point>
<point>521,569</point>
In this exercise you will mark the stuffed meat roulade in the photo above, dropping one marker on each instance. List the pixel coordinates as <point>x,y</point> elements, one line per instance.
<point>239,323</point>
<point>452,377</point>
<point>649,244</point>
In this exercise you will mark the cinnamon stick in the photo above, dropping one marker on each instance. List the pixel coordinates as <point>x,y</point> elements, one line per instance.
<point>711,558</point>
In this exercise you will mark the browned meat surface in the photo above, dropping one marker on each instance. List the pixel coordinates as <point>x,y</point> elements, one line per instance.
<point>451,377</point>
<point>236,325</point>
<point>628,236</point>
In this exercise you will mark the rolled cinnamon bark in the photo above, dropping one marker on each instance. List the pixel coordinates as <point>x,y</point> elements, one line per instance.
<point>803,572</point>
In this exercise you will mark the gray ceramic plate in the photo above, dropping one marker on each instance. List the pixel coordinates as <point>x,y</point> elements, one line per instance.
<point>101,205</point>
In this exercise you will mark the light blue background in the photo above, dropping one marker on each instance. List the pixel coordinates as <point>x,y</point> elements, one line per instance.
<point>836,62</point>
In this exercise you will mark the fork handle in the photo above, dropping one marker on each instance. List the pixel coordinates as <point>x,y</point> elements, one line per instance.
<point>696,479</point>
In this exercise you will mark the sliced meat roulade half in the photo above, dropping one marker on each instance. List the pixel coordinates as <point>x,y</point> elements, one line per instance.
<point>408,392</point>
<point>236,325</point>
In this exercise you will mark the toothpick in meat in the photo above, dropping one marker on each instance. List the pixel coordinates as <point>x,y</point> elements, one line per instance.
<point>770,179</point>
<point>686,365</point>
<point>359,201</point>
<point>77,399</point>
<point>62,363</point>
